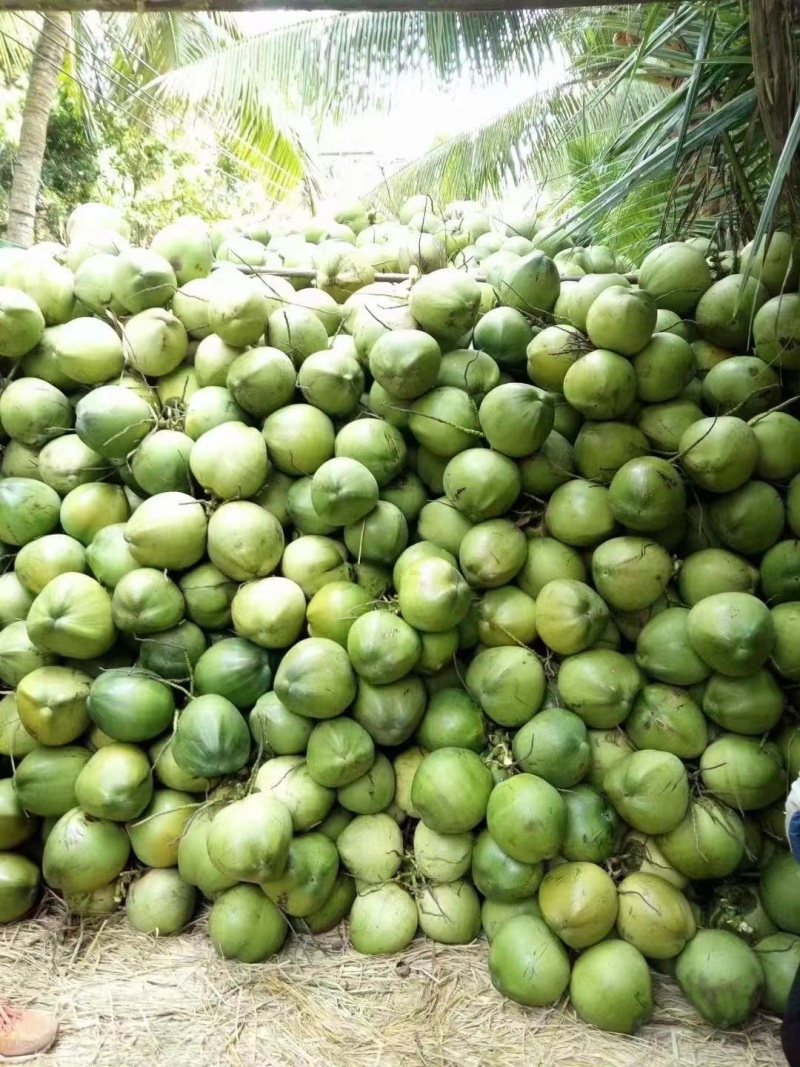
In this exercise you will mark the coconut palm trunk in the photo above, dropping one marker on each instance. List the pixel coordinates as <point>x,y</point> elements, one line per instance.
<point>45,67</point>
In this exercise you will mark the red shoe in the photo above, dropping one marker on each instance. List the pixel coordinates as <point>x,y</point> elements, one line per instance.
<point>25,1033</point>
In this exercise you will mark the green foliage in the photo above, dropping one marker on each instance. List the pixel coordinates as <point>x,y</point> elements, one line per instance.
<point>631,227</point>
<point>160,173</point>
<point>152,173</point>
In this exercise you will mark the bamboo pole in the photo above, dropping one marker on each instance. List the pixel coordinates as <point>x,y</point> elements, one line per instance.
<point>310,275</point>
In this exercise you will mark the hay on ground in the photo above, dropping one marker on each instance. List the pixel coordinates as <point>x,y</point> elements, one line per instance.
<point>127,1000</point>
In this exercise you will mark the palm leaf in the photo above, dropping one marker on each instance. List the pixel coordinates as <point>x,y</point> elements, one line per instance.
<point>155,43</point>
<point>350,62</point>
<point>17,38</point>
<point>530,143</point>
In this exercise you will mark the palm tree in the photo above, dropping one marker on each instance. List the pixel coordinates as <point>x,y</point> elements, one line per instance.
<point>95,57</point>
<point>48,56</point>
<point>670,114</point>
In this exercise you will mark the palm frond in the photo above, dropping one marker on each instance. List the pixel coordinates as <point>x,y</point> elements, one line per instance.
<point>340,64</point>
<point>528,144</point>
<point>261,132</point>
<point>165,41</point>
<point>17,38</point>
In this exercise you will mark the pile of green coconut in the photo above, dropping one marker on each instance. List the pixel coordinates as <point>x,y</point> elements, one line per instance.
<point>460,606</point>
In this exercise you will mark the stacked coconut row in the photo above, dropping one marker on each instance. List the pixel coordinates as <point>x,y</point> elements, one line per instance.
<point>457,605</point>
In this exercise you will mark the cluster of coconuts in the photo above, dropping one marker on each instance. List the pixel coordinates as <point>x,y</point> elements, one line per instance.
<point>469,603</point>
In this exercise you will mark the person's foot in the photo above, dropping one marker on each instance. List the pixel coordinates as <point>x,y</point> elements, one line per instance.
<point>25,1033</point>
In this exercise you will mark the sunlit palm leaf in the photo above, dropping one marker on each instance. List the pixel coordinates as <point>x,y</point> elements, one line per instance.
<point>16,40</point>
<point>154,43</point>
<point>340,64</point>
<point>529,143</point>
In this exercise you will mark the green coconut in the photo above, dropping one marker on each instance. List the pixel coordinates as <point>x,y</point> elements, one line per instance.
<point>504,334</point>
<point>776,331</point>
<point>664,367</point>
<point>444,421</point>
<point>601,385</point>
<point>779,955</point>
<point>611,987</point>
<point>526,816</point>
<point>663,424</point>
<point>578,514</point>
<point>516,419</point>
<point>732,632</point>
<point>530,283</point>
<point>778,891</point>
<point>21,322</point>
<point>726,310</point>
<point>554,746</point>
<point>586,291</point>
<point>116,783</point>
<point>142,279</point>
<point>34,412</point>
<point>599,685</point>
<point>668,719</point>
<point>676,275</point>
<point>245,925</point>
<point>527,962</point>
<point>654,916</point>
<point>721,976</point>
<point>778,436</point>
<point>155,341</point>
<point>708,843</point>
<point>19,886</point>
<point>719,454</point>
<point>549,468</point>
<point>508,683</point>
<point>631,573</point>
<point>186,244</point>
<point>593,825</point>
<point>445,304</point>
<point>650,790</point>
<point>451,789</point>
<point>160,903</point>
<point>776,261</point>
<point>83,854</point>
<point>621,319</point>
<point>602,448</point>
<point>743,771</point>
<point>579,903</point>
<point>47,282</point>
<point>570,616</point>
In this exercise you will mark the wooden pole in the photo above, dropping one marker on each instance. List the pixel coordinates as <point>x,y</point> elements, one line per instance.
<point>465,6</point>
<point>310,275</point>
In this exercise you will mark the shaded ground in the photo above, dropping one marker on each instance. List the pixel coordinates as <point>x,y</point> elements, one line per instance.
<point>126,1000</point>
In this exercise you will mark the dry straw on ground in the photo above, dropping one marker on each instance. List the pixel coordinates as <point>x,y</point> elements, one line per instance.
<point>127,1000</point>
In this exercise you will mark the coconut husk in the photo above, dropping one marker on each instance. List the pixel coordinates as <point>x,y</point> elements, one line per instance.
<point>128,1000</point>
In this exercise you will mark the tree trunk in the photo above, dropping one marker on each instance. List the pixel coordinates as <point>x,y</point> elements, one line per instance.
<point>42,83</point>
<point>776,73</point>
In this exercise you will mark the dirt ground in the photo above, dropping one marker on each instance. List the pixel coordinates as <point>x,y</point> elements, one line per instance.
<point>127,1000</point>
